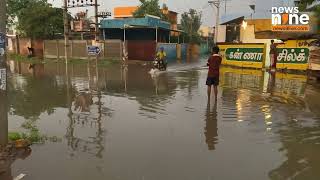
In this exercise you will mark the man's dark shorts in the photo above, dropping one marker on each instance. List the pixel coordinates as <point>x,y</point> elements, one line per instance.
<point>212,81</point>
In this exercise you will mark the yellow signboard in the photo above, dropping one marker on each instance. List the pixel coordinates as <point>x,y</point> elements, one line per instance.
<point>293,54</point>
<point>243,55</point>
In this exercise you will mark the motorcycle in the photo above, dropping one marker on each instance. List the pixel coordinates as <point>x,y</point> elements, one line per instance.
<point>158,64</point>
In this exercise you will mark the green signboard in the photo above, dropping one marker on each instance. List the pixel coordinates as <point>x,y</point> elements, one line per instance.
<point>293,55</point>
<point>245,54</point>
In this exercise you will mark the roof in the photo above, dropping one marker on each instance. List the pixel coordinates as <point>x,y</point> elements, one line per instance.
<point>173,12</point>
<point>147,22</point>
<point>234,21</point>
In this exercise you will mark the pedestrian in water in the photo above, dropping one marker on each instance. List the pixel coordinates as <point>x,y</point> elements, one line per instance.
<point>273,55</point>
<point>214,63</point>
<point>30,52</point>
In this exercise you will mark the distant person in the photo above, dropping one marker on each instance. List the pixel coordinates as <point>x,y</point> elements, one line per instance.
<point>214,63</point>
<point>30,52</point>
<point>31,66</point>
<point>273,55</point>
<point>161,56</point>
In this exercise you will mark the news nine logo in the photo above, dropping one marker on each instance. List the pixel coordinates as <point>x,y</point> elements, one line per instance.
<point>289,19</point>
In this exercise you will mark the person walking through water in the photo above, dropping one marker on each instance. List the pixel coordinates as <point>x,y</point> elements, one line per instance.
<point>214,63</point>
<point>273,55</point>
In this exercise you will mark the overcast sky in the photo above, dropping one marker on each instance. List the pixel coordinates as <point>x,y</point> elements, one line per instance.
<point>235,8</point>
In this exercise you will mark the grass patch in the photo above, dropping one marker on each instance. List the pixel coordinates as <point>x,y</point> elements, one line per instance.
<point>106,62</point>
<point>35,60</point>
<point>33,136</point>
<point>21,58</point>
<point>101,62</point>
<point>13,136</point>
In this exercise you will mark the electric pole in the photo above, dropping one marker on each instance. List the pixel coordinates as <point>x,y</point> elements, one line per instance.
<point>96,20</point>
<point>216,3</point>
<point>66,30</point>
<point>3,76</point>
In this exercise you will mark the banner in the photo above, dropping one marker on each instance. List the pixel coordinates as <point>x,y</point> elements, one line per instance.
<point>244,54</point>
<point>249,55</point>
<point>293,55</point>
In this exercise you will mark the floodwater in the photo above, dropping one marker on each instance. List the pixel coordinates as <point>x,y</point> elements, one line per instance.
<point>123,124</point>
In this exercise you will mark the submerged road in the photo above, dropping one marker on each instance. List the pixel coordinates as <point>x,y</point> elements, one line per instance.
<point>114,123</point>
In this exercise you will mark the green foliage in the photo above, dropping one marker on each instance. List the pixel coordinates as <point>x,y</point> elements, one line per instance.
<point>14,8</point>
<point>303,6</point>
<point>21,58</point>
<point>190,24</point>
<point>150,7</point>
<point>36,18</point>
<point>13,136</point>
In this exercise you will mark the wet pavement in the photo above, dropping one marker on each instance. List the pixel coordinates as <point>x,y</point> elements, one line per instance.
<point>122,123</point>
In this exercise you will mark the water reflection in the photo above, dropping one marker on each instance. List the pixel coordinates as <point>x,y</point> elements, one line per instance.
<point>82,102</point>
<point>130,124</point>
<point>8,157</point>
<point>3,119</point>
<point>300,145</point>
<point>211,128</point>
<point>300,138</point>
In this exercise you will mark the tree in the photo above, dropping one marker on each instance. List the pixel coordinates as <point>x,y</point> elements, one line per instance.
<point>190,23</point>
<point>303,6</point>
<point>150,7</point>
<point>36,18</point>
<point>14,7</point>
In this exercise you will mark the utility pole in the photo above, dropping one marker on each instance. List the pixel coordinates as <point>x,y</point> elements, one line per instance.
<point>225,7</point>
<point>66,30</point>
<point>77,4</point>
<point>3,77</point>
<point>96,19</point>
<point>216,3</point>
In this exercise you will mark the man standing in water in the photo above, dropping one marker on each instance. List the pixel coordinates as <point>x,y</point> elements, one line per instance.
<point>214,63</point>
<point>273,55</point>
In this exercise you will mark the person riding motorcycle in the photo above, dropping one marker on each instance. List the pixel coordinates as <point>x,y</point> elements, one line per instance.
<point>161,57</point>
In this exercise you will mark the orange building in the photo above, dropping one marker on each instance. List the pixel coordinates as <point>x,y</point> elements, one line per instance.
<point>124,12</point>
<point>173,19</point>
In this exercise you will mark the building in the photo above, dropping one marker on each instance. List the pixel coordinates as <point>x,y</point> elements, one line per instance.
<point>140,34</point>
<point>127,12</point>
<point>124,12</point>
<point>143,36</point>
<point>206,31</point>
<point>230,31</point>
<point>173,19</point>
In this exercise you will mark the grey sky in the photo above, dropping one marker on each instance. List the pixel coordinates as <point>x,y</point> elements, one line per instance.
<point>235,8</point>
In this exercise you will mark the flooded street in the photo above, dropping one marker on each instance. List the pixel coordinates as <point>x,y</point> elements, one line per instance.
<point>123,124</point>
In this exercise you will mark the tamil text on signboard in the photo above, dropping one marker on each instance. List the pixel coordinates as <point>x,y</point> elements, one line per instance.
<point>244,54</point>
<point>293,55</point>
<point>251,55</point>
